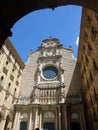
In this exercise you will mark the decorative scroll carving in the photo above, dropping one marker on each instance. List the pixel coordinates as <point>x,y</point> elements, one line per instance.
<point>50,85</point>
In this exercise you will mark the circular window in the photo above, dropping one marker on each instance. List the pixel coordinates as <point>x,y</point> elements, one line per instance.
<point>50,72</point>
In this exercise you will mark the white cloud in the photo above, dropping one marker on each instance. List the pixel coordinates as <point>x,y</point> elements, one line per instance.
<point>77,41</point>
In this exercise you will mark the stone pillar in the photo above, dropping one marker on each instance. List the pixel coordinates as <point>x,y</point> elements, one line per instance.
<point>16,121</point>
<point>38,78</point>
<point>2,124</point>
<point>57,125</point>
<point>62,78</point>
<point>30,120</point>
<point>66,120</point>
<point>36,118</point>
<point>82,119</point>
<point>40,121</point>
<point>33,118</point>
<point>10,125</point>
<point>59,112</point>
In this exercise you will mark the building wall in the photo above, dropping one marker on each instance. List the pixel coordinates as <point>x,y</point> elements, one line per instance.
<point>28,78</point>
<point>29,74</point>
<point>88,61</point>
<point>81,74</point>
<point>10,77</point>
<point>58,100</point>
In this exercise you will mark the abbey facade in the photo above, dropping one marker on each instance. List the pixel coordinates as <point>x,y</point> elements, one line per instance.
<point>52,90</point>
<point>50,95</point>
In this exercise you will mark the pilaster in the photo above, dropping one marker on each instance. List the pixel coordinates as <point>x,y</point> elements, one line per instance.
<point>30,120</point>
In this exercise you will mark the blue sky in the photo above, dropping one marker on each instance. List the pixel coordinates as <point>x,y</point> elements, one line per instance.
<point>62,23</point>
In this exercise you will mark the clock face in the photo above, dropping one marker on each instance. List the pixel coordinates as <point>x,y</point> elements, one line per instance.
<point>50,72</point>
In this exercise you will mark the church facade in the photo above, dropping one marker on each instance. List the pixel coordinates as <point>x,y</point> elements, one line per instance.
<point>53,90</point>
<point>50,95</point>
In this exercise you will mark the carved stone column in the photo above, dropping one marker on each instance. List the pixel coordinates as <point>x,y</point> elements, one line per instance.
<point>30,120</point>
<point>18,122</point>
<point>82,119</point>
<point>2,124</point>
<point>59,112</point>
<point>16,125</point>
<point>40,120</point>
<point>15,120</point>
<point>66,119</point>
<point>36,118</point>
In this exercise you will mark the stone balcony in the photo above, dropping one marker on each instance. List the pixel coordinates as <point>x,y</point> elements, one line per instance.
<point>51,84</point>
<point>44,95</point>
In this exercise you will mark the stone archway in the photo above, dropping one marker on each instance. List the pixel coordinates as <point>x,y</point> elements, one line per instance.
<point>11,11</point>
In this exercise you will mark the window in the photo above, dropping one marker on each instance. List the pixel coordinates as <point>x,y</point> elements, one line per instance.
<point>85,37</point>
<point>49,115</point>
<point>1,79</point>
<point>6,97</point>
<point>94,64</point>
<point>7,62</point>
<point>94,68</point>
<point>86,60</point>
<point>89,49</point>
<point>12,105</point>
<point>15,91</point>
<point>91,77</point>
<point>13,70</point>
<point>93,33</point>
<point>83,48</point>
<point>88,20</point>
<point>24,116</point>
<point>9,84</point>
<point>74,116</point>
<point>50,72</point>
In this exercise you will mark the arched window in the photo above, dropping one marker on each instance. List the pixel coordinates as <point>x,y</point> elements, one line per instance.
<point>24,115</point>
<point>74,116</point>
<point>49,115</point>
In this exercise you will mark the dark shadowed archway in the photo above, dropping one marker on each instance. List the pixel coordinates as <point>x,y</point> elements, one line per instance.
<point>12,10</point>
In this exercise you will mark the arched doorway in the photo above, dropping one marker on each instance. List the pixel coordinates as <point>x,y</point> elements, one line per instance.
<point>48,126</point>
<point>75,126</point>
<point>23,125</point>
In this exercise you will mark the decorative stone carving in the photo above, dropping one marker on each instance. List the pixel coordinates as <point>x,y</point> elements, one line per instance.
<point>24,116</point>
<point>54,84</point>
<point>49,115</point>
